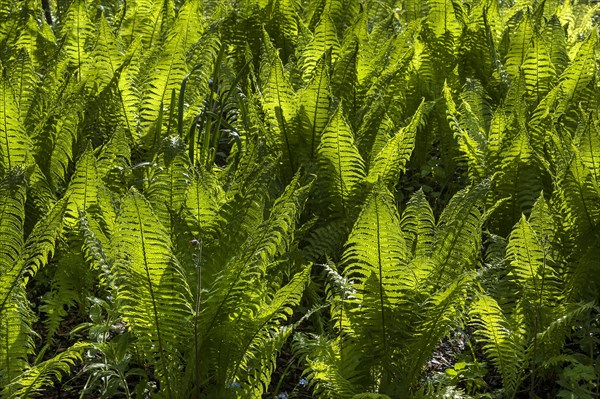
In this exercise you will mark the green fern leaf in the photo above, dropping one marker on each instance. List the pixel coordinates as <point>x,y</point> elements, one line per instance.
<point>469,134</point>
<point>538,69</point>
<point>14,142</point>
<point>264,328</point>
<point>17,339</point>
<point>341,163</point>
<point>187,29</point>
<point>331,368</point>
<point>344,79</point>
<point>581,194</point>
<point>418,224</point>
<point>203,200</point>
<point>142,21</point>
<point>315,101</point>
<point>442,18</point>
<point>588,145</point>
<point>270,238</point>
<point>520,178</point>
<point>12,218</point>
<point>556,44</point>
<point>168,74</point>
<point>152,288</point>
<point>578,74</point>
<point>24,81</point>
<point>324,40</point>
<point>31,383</point>
<point>279,104</point>
<point>437,317</point>
<point>106,59</point>
<point>16,343</point>
<point>129,91</point>
<point>283,25</point>
<point>520,42</point>
<point>114,159</point>
<point>530,261</point>
<point>38,247</point>
<point>168,181</point>
<point>76,31</point>
<point>458,233</point>
<point>83,188</point>
<point>392,159</point>
<point>502,342</point>
<point>376,261</point>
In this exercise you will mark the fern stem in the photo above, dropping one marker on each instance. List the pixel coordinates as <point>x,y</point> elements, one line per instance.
<point>381,302</point>
<point>198,264</point>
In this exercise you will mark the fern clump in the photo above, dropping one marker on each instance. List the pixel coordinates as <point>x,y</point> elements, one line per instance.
<point>284,198</point>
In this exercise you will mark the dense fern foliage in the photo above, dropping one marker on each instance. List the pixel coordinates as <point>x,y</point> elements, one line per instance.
<point>300,198</point>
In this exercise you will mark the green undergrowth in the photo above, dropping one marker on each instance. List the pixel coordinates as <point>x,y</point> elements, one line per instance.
<point>299,198</point>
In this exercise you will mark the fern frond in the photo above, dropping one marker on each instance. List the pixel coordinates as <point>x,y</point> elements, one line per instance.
<point>588,146</point>
<point>520,42</point>
<point>244,208</point>
<point>280,107</point>
<point>142,21</point>
<point>96,254</point>
<point>392,159</point>
<point>503,343</point>
<point>76,31</point>
<point>330,366</point>
<point>203,200</point>
<point>71,283</point>
<point>38,247</point>
<point>520,178</point>
<point>169,180</point>
<point>458,233</point>
<point>375,261</point>
<point>14,142</point>
<point>341,163</point>
<point>272,237</point>
<point>12,218</point>
<point>538,70</point>
<point>557,330</point>
<point>17,339</point>
<point>265,335</point>
<point>152,290</point>
<point>129,90</point>
<point>344,79</point>
<point>114,159</point>
<point>32,382</point>
<point>315,101</point>
<point>283,25</point>
<point>469,134</point>
<point>578,74</point>
<point>83,187</point>
<point>325,40</point>
<point>15,343</point>
<point>531,267</point>
<point>327,240</point>
<point>106,57</point>
<point>581,194</point>
<point>438,315</point>
<point>442,18</point>
<point>418,225</point>
<point>169,72</point>
<point>556,43</point>
<point>24,81</point>
<point>187,28</point>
